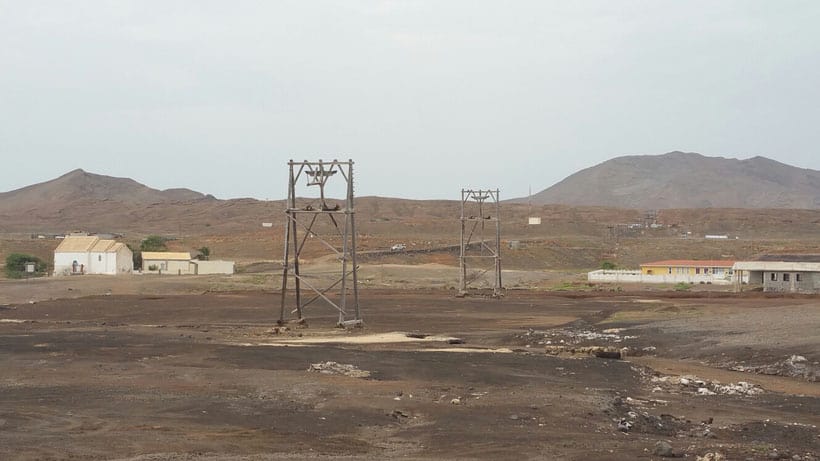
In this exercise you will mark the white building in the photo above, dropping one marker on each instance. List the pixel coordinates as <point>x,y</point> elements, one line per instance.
<point>92,255</point>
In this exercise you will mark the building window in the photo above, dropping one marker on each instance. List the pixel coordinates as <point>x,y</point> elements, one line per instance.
<point>99,257</point>
<point>786,277</point>
<point>773,276</point>
<point>697,270</point>
<point>670,270</point>
<point>796,277</point>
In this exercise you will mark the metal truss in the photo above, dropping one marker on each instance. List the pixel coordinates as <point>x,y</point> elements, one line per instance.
<point>480,209</point>
<point>303,223</point>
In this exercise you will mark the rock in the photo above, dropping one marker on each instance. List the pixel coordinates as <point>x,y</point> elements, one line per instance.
<point>333,368</point>
<point>399,414</point>
<point>624,425</point>
<point>608,354</point>
<point>796,458</point>
<point>797,359</point>
<point>705,391</point>
<point>417,335</point>
<point>711,457</point>
<point>514,417</point>
<point>456,401</point>
<point>663,449</point>
<point>773,455</point>
<point>455,341</point>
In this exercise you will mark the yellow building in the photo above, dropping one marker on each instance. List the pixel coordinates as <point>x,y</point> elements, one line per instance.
<point>689,267</point>
<point>167,262</point>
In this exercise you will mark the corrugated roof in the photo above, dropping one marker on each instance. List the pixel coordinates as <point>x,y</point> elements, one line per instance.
<point>165,256</point>
<point>76,244</point>
<point>691,263</point>
<point>777,266</point>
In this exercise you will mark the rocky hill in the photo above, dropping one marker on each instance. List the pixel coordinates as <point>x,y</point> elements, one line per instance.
<point>687,180</point>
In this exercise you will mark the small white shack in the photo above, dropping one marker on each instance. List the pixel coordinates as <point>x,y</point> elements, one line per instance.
<point>77,255</point>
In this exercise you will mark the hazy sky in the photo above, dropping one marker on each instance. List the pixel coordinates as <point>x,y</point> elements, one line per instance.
<point>427,96</point>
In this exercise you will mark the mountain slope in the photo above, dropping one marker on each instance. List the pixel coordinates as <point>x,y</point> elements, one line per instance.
<point>81,185</point>
<point>687,180</point>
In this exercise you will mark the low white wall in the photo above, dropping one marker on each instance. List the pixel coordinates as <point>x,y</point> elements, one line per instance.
<point>627,276</point>
<point>214,267</point>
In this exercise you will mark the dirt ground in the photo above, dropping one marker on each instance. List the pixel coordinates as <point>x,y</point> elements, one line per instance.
<point>131,371</point>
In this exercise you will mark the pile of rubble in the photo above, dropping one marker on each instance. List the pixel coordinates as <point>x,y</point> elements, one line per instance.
<point>334,368</point>
<point>795,366</point>
<point>700,386</point>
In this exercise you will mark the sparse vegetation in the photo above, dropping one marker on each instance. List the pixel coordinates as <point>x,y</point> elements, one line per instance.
<point>153,267</point>
<point>136,256</point>
<point>682,286</point>
<point>154,243</point>
<point>16,266</point>
<point>204,254</point>
<point>608,265</point>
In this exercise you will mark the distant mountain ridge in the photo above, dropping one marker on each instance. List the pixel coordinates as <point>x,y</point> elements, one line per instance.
<point>687,180</point>
<point>79,184</point>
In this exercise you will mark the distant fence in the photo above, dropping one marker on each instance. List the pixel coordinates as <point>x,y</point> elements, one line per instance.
<point>628,276</point>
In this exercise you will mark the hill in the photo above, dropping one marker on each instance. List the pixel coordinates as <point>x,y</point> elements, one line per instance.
<point>687,180</point>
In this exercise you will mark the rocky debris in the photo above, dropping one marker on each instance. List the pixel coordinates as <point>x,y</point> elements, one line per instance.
<point>455,341</point>
<point>417,335</point>
<point>399,414</point>
<point>334,368</point>
<point>663,449</point>
<point>605,352</point>
<point>624,425</point>
<point>796,366</point>
<point>456,401</point>
<point>711,457</point>
<point>693,384</point>
<point>571,337</point>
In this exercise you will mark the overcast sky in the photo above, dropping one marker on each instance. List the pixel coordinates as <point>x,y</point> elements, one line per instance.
<point>427,96</point>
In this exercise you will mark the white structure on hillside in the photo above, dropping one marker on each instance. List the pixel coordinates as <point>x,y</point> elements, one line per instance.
<point>91,255</point>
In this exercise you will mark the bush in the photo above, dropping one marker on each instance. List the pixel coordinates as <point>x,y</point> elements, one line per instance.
<point>16,266</point>
<point>204,254</point>
<point>682,286</point>
<point>608,265</point>
<point>136,256</point>
<point>153,267</point>
<point>154,243</point>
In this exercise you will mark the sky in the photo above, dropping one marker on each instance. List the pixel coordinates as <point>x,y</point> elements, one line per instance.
<point>426,96</point>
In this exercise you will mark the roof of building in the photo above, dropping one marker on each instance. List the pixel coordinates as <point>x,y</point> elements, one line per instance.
<point>102,246</point>
<point>166,256</point>
<point>691,263</point>
<point>76,244</point>
<point>797,258</point>
<point>777,266</point>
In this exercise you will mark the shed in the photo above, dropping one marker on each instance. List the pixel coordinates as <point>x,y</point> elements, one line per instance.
<point>167,262</point>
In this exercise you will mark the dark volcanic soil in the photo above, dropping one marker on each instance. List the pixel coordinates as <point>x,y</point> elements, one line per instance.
<point>207,377</point>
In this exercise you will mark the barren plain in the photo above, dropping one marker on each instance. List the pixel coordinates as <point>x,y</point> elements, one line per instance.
<point>176,368</point>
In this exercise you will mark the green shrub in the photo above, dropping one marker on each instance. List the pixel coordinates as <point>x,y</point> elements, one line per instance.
<point>608,265</point>
<point>682,286</point>
<point>154,243</point>
<point>16,266</point>
<point>153,267</point>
